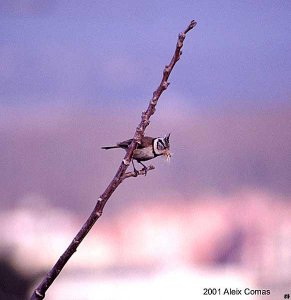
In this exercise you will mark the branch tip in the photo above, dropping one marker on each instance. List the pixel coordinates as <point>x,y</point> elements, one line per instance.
<point>192,24</point>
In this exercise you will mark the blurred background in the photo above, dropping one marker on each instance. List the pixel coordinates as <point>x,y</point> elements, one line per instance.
<point>75,76</point>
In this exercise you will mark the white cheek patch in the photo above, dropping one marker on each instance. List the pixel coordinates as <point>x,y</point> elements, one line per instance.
<point>156,150</point>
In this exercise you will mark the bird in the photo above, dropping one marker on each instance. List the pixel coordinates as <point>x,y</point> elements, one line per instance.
<point>149,148</point>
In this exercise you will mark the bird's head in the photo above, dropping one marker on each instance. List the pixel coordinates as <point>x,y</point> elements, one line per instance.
<point>162,146</point>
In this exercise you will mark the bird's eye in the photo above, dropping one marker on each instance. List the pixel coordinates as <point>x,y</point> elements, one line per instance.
<point>160,145</point>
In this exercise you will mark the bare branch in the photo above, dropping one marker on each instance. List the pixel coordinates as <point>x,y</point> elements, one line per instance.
<point>120,175</point>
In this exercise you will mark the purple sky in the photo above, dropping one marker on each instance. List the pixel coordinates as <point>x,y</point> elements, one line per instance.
<point>75,77</point>
<point>104,52</point>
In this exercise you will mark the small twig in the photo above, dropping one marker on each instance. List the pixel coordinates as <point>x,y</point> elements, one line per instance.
<point>40,291</point>
<point>138,173</point>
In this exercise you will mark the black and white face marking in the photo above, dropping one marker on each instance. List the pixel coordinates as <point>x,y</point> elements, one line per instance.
<point>161,145</point>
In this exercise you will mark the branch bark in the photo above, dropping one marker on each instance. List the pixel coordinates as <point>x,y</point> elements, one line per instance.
<point>121,174</point>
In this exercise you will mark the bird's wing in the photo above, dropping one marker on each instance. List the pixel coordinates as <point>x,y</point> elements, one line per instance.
<point>145,142</point>
<point>124,144</point>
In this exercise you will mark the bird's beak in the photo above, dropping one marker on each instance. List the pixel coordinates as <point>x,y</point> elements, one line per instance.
<point>167,154</point>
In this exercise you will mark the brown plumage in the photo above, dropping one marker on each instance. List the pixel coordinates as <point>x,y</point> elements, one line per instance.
<point>149,148</point>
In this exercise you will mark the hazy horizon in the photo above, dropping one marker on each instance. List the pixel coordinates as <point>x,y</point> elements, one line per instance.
<point>55,153</point>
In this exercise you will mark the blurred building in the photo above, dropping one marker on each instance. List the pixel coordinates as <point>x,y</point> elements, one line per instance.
<point>238,242</point>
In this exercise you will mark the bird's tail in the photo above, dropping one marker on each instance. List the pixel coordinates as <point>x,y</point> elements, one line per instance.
<point>109,147</point>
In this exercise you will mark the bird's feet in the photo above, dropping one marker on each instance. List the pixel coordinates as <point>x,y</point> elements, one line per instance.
<point>145,169</point>
<point>135,172</point>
